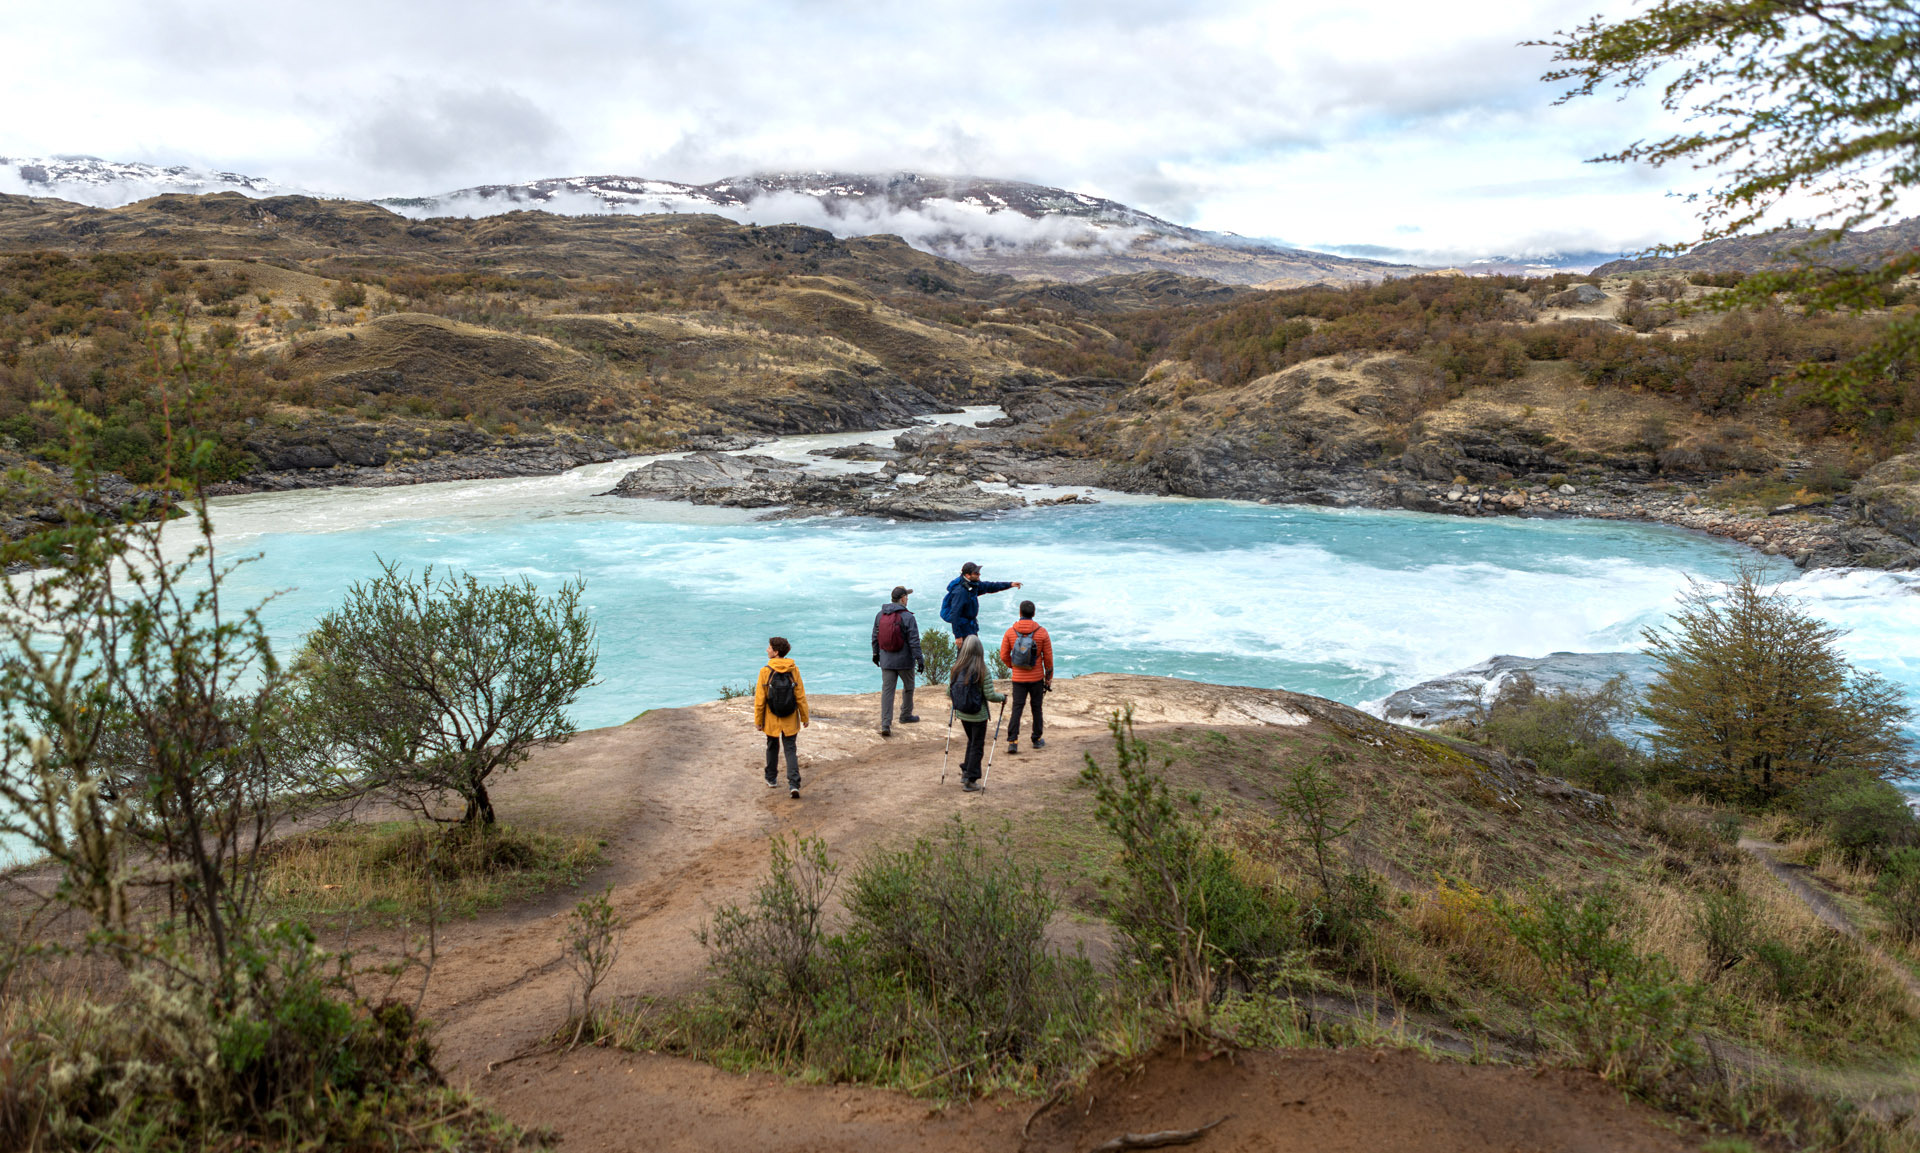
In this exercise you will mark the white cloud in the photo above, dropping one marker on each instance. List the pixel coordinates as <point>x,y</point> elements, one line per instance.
<point>1324,123</point>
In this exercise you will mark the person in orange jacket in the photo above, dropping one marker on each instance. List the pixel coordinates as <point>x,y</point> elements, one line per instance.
<point>780,711</point>
<point>1028,652</point>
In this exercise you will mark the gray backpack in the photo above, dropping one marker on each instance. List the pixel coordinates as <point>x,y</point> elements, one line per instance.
<point>1026,650</point>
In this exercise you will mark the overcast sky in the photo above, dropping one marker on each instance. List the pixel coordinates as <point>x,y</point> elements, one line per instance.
<point>1387,122</point>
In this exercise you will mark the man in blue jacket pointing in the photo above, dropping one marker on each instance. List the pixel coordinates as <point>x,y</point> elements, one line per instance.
<point>961,609</point>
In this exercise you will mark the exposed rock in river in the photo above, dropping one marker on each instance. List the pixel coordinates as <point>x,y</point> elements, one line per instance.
<point>764,482</point>
<point>1460,695</point>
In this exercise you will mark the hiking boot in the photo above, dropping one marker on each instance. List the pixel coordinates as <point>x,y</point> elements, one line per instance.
<point>967,787</point>
<point>794,793</point>
<point>909,720</point>
<point>886,732</point>
<point>1013,748</point>
<point>1038,743</point>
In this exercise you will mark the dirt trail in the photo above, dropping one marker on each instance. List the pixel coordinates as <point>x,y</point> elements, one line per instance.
<point>678,795</point>
<point>1827,909</point>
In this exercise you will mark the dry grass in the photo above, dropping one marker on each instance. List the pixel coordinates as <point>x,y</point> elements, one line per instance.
<point>404,869</point>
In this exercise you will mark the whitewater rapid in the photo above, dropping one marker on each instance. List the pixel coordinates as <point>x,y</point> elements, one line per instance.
<point>1350,604</point>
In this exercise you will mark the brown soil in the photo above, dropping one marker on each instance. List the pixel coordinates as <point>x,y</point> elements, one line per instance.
<point>678,795</point>
<point>1311,1102</point>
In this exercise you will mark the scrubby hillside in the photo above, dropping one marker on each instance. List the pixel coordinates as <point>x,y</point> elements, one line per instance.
<point>334,342</point>
<point>1444,859</point>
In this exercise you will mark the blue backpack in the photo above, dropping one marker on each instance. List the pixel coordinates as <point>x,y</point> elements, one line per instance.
<point>950,606</point>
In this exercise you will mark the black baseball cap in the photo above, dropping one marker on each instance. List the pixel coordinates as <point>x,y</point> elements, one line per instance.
<point>969,567</point>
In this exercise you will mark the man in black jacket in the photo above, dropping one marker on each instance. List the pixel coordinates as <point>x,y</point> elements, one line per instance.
<point>895,627</point>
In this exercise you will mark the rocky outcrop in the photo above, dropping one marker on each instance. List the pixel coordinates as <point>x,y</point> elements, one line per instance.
<point>338,451</point>
<point>1888,496</point>
<point>1463,695</point>
<point>1580,295</point>
<point>763,482</point>
<point>1482,455</point>
<point>689,476</point>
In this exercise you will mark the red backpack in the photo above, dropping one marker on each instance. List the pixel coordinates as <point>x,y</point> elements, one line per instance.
<point>893,634</point>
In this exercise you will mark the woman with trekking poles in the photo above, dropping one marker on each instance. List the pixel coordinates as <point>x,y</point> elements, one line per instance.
<point>973,695</point>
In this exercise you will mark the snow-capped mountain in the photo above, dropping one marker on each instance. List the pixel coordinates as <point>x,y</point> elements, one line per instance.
<point>842,197</point>
<point>996,225</point>
<point>112,183</point>
<point>1010,226</point>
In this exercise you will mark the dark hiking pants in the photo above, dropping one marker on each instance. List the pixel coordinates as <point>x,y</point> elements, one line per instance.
<point>887,679</point>
<point>976,747</point>
<point>793,760</point>
<point>1024,693</point>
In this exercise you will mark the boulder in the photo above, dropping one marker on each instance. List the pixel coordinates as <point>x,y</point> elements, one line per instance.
<point>1579,296</point>
<point>943,497</point>
<point>763,482</point>
<point>679,479</point>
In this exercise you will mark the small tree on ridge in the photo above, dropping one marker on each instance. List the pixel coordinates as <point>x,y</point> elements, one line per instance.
<point>1754,697</point>
<point>432,686</point>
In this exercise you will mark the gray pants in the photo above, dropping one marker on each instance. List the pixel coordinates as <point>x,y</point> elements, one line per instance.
<point>791,745</point>
<point>887,678</point>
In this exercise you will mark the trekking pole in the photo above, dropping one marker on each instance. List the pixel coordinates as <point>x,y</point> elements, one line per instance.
<point>995,743</point>
<point>949,748</point>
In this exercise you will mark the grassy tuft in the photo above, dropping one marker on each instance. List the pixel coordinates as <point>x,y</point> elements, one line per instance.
<point>399,869</point>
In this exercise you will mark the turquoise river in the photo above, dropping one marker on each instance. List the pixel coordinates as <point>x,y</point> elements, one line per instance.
<point>1349,604</point>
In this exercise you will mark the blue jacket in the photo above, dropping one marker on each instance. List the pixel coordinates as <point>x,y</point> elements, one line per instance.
<point>961,609</point>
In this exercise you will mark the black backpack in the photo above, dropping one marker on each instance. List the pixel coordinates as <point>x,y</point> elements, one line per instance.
<point>782,701</point>
<point>968,695</point>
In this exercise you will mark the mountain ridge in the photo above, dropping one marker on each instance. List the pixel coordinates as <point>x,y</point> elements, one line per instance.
<point>1017,228</point>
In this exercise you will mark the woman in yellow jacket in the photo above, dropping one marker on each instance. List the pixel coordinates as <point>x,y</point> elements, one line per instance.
<point>780,711</point>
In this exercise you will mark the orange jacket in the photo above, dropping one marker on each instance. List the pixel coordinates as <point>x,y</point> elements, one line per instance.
<point>765,721</point>
<point>1042,669</point>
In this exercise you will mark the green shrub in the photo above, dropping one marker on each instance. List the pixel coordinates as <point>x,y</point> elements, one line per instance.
<point>936,648</point>
<point>1160,904</point>
<point>1622,1014</point>
<point>1897,894</point>
<point>1838,1001</point>
<point>1862,815</point>
<point>1252,926</point>
<point>942,980</point>
<point>1726,925</point>
<point>964,926</point>
<point>427,686</point>
<point>768,958</point>
<point>297,1059</point>
<point>1568,733</point>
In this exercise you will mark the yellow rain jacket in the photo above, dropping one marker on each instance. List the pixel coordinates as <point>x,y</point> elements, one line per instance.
<point>765,721</point>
